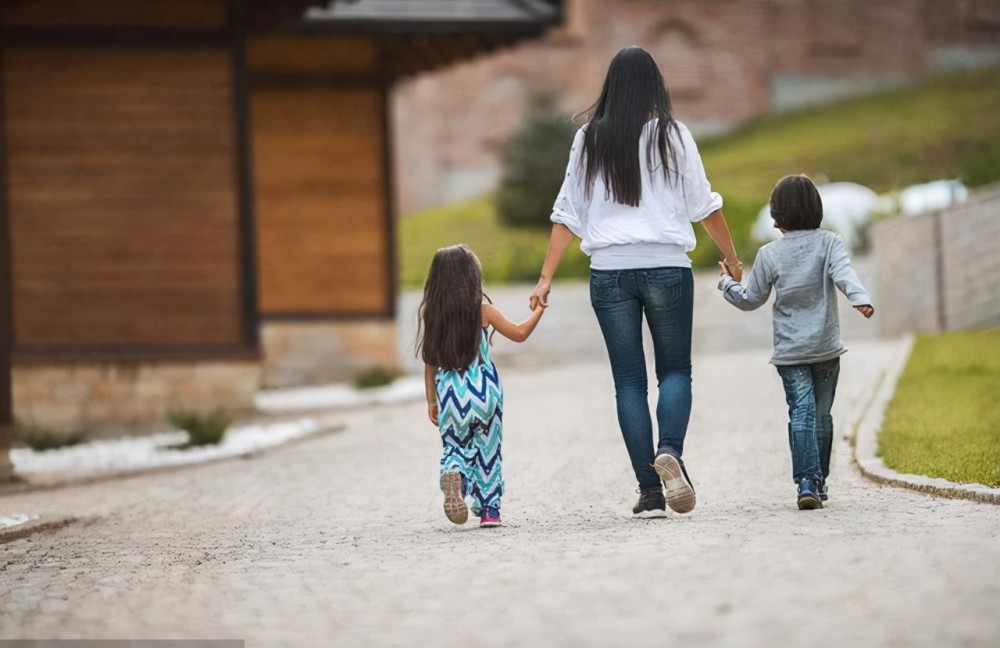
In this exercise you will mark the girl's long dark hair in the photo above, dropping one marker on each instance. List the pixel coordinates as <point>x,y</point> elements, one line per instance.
<point>633,94</point>
<point>450,315</point>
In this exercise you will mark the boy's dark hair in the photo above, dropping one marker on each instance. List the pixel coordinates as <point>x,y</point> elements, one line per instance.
<point>795,204</point>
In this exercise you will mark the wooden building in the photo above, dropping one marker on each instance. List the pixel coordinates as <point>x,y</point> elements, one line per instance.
<point>194,194</point>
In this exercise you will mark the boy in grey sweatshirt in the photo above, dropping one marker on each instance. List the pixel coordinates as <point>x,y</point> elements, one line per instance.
<point>804,267</point>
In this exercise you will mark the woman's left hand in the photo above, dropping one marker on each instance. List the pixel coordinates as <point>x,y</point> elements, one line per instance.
<point>540,295</point>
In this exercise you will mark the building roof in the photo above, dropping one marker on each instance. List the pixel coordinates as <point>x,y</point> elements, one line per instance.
<point>394,16</point>
<point>423,35</point>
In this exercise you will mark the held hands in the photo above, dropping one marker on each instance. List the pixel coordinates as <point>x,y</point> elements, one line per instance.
<point>540,295</point>
<point>866,310</point>
<point>734,269</point>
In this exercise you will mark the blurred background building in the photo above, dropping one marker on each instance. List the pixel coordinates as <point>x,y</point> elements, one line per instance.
<point>195,195</point>
<point>725,62</point>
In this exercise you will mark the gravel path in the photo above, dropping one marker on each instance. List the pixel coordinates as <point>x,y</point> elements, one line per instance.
<point>341,541</point>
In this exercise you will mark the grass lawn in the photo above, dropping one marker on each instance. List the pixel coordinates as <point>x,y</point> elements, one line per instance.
<point>507,253</point>
<point>944,128</point>
<point>944,420</point>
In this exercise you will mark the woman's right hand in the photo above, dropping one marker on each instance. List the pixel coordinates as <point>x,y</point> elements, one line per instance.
<point>540,295</point>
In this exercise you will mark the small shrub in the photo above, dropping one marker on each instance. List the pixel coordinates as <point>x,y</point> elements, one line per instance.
<point>534,165</point>
<point>376,376</point>
<point>39,438</point>
<point>202,429</point>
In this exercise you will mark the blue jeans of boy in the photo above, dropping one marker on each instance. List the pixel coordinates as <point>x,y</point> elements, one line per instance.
<point>809,392</point>
<point>666,297</point>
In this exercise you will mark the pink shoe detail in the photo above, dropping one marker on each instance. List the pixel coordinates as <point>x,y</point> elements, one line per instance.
<point>487,520</point>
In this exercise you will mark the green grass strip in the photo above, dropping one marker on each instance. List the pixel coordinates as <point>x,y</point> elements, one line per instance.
<point>944,420</point>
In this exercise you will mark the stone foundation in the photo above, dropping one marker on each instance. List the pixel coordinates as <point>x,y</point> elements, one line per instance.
<point>309,353</point>
<point>111,399</point>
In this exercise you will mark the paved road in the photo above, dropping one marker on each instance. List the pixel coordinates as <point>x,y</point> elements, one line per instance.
<point>341,541</point>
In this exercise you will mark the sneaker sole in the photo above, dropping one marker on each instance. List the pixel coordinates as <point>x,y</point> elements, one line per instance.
<point>649,515</point>
<point>680,493</point>
<point>454,504</point>
<point>809,503</point>
<point>488,525</point>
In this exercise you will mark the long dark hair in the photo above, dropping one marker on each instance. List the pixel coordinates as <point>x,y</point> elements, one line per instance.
<point>633,94</point>
<point>450,315</point>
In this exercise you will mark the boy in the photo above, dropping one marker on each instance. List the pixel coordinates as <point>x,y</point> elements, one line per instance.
<point>803,267</point>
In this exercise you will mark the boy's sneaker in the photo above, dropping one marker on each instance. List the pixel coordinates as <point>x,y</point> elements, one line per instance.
<point>490,517</point>
<point>680,492</point>
<point>651,503</point>
<point>822,491</point>
<point>809,497</point>
<point>454,502</point>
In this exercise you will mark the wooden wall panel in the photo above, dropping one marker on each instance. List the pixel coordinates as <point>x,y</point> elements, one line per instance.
<point>123,199</point>
<point>318,168</point>
<point>341,54</point>
<point>196,14</point>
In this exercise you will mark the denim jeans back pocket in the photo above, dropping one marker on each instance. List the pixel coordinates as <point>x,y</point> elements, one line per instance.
<point>666,288</point>
<point>605,287</point>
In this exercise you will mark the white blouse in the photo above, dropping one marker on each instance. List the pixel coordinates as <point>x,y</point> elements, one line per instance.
<point>657,233</point>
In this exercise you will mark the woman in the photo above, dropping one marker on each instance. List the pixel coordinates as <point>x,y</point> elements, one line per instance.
<point>634,185</point>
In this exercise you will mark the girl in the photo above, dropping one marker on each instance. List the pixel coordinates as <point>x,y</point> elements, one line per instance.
<point>464,395</point>
<point>634,185</point>
<point>803,267</point>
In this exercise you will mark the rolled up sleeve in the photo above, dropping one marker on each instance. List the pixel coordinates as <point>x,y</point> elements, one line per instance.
<point>570,207</point>
<point>701,201</point>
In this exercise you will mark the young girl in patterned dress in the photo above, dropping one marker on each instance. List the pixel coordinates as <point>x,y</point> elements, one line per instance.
<point>464,395</point>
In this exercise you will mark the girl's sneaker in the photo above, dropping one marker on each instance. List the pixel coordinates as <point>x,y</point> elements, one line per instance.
<point>490,517</point>
<point>454,502</point>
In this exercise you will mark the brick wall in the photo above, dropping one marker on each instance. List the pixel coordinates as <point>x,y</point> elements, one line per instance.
<point>725,62</point>
<point>970,237</point>
<point>939,271</point>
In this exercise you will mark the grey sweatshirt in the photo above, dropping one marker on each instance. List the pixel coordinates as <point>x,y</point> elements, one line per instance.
<point>803,266</point>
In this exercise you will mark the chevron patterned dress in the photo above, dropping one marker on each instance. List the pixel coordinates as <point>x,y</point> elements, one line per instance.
<point>470,420</point>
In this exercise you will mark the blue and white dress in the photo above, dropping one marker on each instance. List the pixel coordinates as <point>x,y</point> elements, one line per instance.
<point>470,420</point>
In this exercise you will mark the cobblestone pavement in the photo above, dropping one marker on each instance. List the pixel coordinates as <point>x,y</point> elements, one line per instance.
<point>341,540</point>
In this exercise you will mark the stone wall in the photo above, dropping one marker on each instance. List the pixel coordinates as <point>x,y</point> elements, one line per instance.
<point>939,271</point>
<point>308,353</point>
<point>107,400</point>
<point>725,62</point>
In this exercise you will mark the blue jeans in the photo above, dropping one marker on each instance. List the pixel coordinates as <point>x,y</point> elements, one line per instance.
<point>666,296</point>
<point>809,392</point>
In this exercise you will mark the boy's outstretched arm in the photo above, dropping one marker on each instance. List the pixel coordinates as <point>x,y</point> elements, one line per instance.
<point>846,279</point>
<point>755,293</point>
<point>508,329</point>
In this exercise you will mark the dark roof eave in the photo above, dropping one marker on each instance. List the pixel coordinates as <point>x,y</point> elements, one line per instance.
<point>526,28</point>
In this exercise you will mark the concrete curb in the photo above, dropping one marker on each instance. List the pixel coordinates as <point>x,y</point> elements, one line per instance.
<point>42,524</point>
<point>866,443</point>
<point>38,482</point>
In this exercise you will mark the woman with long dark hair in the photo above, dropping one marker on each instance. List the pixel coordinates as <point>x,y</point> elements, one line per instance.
<point>634,185</point>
